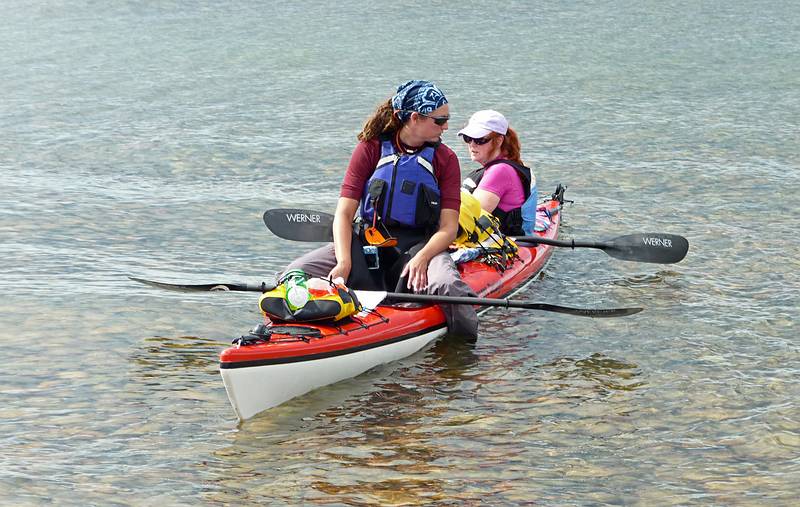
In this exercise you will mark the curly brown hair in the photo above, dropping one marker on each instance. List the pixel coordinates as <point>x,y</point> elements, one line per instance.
<point>383,120</point>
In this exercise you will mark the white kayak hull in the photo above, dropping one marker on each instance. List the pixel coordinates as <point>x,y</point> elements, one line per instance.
<point>253,389</point>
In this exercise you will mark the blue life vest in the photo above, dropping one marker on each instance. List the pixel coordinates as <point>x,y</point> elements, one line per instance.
<point>403,189</point>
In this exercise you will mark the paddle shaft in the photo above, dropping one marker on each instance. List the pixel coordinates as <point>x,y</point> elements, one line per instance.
<point>560,242</point>
<point>510,303</point>
<point>207,287</point>
<point>402,297</point>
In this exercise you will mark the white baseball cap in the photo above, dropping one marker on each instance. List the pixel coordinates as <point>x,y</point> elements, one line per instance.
<point>483,122</point>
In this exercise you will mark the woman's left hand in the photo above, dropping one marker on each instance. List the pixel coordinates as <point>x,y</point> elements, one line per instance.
<point>417,271</point>
<point>417,268</point>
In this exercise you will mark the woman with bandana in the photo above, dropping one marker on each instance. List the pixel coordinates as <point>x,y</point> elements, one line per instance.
<point>404,186</point>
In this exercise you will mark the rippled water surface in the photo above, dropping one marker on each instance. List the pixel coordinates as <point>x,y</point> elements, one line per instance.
<point>147,138</point>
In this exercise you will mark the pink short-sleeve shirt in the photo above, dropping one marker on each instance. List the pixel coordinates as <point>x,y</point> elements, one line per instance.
<point>503,181</point>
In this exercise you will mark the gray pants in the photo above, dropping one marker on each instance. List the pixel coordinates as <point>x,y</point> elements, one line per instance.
<point>443,279</point>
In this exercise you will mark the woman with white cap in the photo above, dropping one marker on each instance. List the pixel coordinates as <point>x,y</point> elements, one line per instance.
<point>504,186</point>
<point>403,183</point>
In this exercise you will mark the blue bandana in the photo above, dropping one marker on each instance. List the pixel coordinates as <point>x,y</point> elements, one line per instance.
<point>420,96</point>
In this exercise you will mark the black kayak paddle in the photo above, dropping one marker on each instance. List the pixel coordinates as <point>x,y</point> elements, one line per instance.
<point>378,296</point>
<point>307,225</point>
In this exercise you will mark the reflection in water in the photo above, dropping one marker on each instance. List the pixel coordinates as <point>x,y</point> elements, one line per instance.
<point>180,359</point>
<point>178,373</point>
<point>661,277</point>
<point>600,373</point>
<point>368,426</point>
<point>173,354</point>
<point>370,439</point>
<point>393,435</point>
<point>453,356</point>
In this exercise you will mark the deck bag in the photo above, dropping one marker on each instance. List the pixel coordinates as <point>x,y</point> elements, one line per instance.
<point>298,298</point>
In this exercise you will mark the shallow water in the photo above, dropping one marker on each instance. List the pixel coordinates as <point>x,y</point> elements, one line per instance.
<point>147,140</point>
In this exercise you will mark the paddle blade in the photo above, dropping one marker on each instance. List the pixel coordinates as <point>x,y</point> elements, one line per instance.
<point>299,224</point>
<point>207,287</point>
<point>653,247</point>
<point>596,313</point>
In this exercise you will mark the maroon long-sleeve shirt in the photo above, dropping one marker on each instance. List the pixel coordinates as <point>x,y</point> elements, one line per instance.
<point>365,157</point>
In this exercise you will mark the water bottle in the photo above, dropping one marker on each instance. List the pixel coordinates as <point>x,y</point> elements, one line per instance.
<point>297,294</point>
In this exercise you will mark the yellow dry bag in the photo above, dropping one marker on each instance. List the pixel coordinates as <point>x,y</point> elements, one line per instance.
<point>298,298</point>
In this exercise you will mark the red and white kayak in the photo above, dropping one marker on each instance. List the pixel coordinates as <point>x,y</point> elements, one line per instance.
<point>294,359</point>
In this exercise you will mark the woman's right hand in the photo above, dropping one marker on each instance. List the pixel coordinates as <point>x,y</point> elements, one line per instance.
<point>340,270</point>
<point>342,236</point>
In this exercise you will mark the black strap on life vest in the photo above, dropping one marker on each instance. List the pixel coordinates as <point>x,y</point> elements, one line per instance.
<point>510,221</point>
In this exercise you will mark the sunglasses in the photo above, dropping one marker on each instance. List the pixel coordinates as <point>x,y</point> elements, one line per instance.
<point>438,120</point>
<point>480,141</point>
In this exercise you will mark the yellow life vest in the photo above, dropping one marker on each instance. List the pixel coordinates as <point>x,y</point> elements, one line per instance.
<point>478,227</point>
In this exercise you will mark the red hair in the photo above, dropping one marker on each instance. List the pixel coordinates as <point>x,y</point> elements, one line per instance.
<point>510,147</point>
